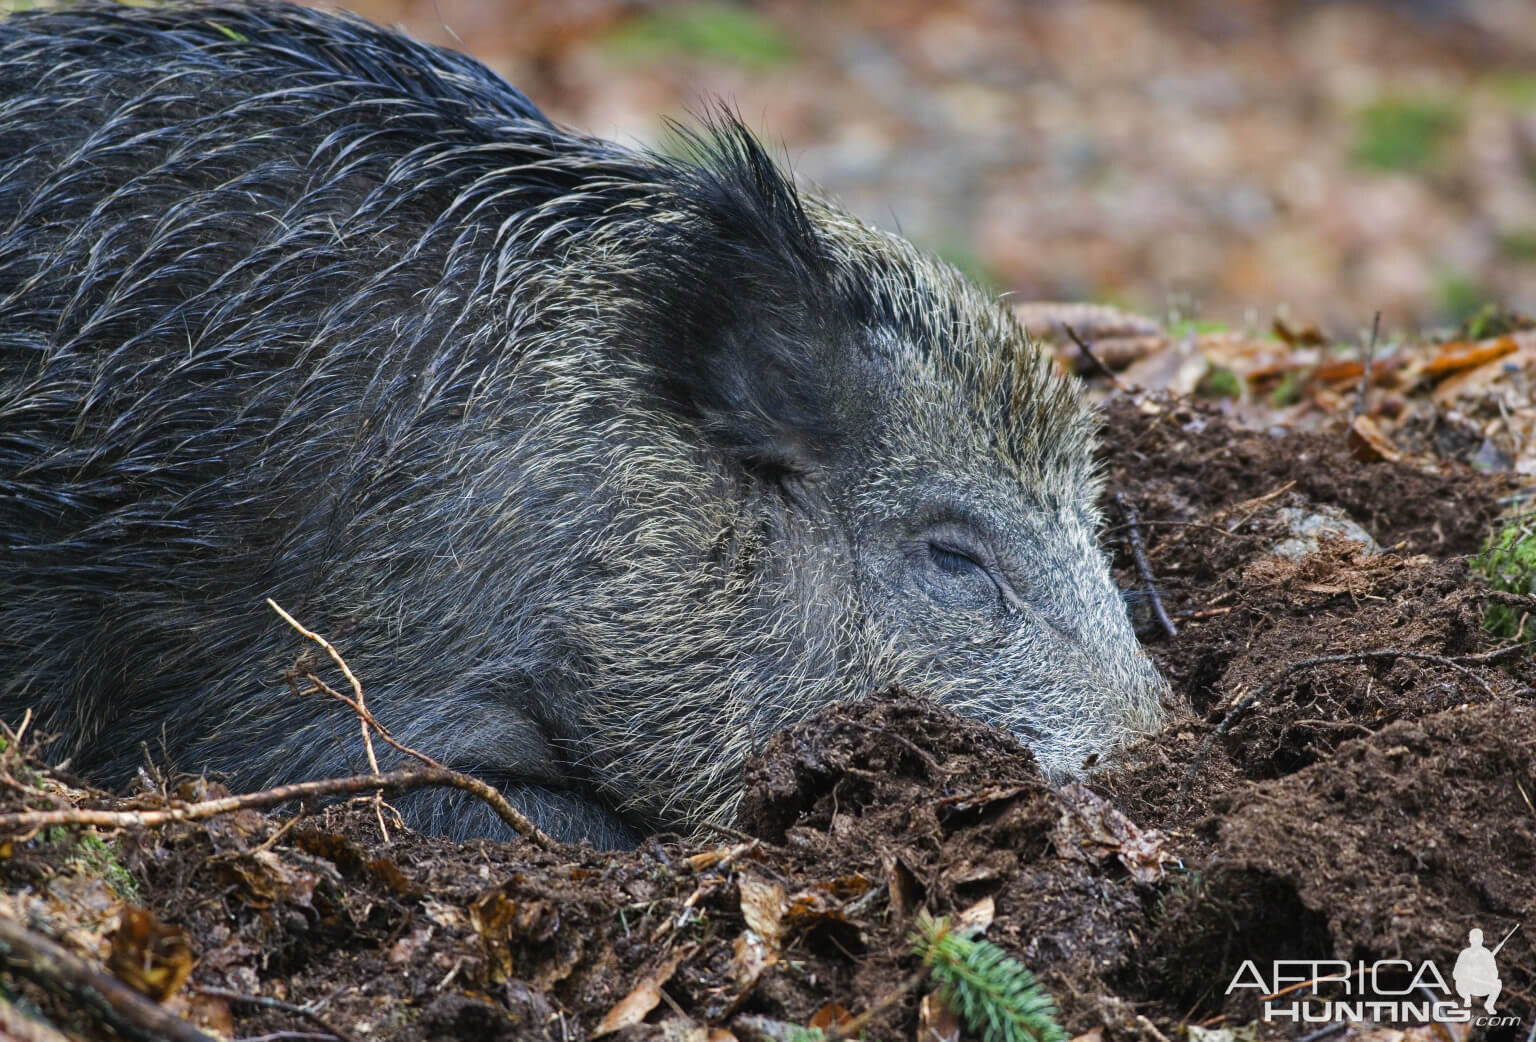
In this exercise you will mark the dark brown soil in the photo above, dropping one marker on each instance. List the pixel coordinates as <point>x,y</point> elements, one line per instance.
<point>1367,806</point>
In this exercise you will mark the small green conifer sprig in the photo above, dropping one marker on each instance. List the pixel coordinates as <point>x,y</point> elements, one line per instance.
<point>994,993</point>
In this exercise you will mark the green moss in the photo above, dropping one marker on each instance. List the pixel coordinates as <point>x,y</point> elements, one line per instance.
<point>89,855</point>
<point>1463,299</point>
<point>1492,320</point>
<point>100,857</point>
<point>714,32</point>
<point>1404,133</point>
<point>1288,390</point>
<point>1220,382</point>
<point>1183,327</point>
<point>1508,560</point>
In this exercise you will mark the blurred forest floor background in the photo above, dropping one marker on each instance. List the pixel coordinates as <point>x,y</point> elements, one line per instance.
<point>1222,160</point>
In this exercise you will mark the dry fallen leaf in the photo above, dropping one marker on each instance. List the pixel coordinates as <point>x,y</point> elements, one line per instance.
<point>505,924</point>
<point>270,879</point>
<point>1482,380</point>
<point>1340,372</point>
<point>407,948</point>
<point>719,856</point>
<point>1302,336</point>
<point>151,957</point>
<point>1368,444</point>
<point>936,1022</point>
<point>1092,828</point>
<point>1384,370</point>
<point>762,906</point>
<point>642,998</point>
<point>831,1016</point>
<point>811,905</point>
<point>211,1013</point>
<point>750,959</point>
<point>1179,368</point>
<point>448,916</point>
<point>975,919</point>
<point>1463,354</point>
<point>905,891</point>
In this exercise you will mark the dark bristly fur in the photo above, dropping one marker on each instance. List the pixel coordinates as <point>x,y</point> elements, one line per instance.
<point>598,466</point>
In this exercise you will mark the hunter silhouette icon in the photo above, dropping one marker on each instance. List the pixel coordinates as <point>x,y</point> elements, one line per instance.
<point>1476,973</point>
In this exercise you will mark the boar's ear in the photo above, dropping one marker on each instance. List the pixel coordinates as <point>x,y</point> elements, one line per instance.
<point>751,344</point>
<point>770,388</point>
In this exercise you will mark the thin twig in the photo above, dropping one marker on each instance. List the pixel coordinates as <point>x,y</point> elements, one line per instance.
<point>1493,657</point>
<point>1313,982</point>
<point>391,781</point>
<point>266,1002</point>
<point>1149,1028</point>
<point>13,750</point>
<point>1327,1031</point>
<point>880,1005</point>
<point>1338,725</point>
<point>1133,536</point>
<point>322,688</point>
<point>357,692</point>
<point>934,769</point>
<point>1513,600</point>
<point>1249,508</point>
<point>1242,705</point>
<point>21,728</point>
<point>1252,506</point>
<point>1205,613</point>
<point>1082,345</point>
<point>59,970</point>
<point>1365,377</point>
<point>1525,796</point>
<point>1148,522</point>
<point>738,835</point>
